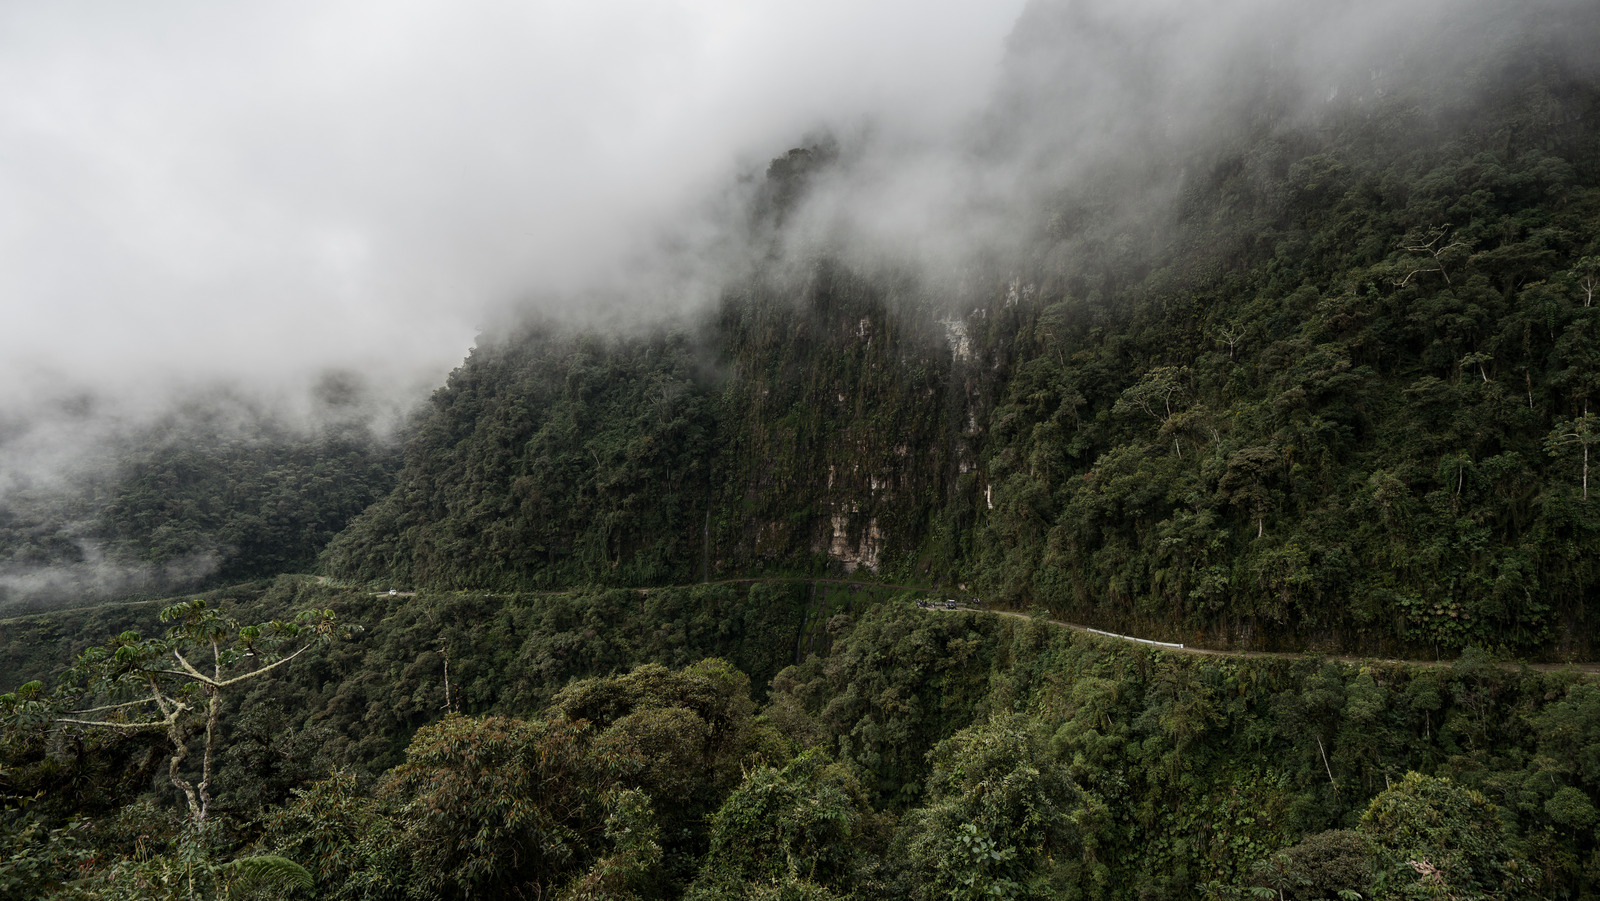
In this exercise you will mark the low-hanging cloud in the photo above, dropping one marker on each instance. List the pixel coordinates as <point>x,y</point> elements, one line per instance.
<point>94,576</point>
<point>257,192</point>
<point>190,190</point>
<point>1130,95</point>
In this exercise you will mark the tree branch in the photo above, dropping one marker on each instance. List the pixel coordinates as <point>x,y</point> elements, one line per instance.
<point>191,670</point>
<point>1324,753</point>
<point>256,672</point>
<point>175,672</point>
<point>102,724</point>
<point>171,718</point>
<point>89,710</point>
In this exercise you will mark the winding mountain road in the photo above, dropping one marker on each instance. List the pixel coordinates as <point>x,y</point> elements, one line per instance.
<point>1585,668</point>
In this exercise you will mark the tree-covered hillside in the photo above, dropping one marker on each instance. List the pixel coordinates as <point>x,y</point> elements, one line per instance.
<point>1353,404</point>
<point>1330,385</point>
<point>581,744</point>
<point>219,489</point>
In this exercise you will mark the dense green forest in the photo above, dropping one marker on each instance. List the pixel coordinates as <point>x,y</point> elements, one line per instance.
<point>1336,394</point>
<point>613,743</point>
<point>1313,388</point>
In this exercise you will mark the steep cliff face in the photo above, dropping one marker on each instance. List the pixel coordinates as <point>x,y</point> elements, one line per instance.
<point>843,426</point>
<point>822,430</point>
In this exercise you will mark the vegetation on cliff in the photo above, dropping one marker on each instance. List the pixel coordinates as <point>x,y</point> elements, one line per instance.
<point>1338,391</point>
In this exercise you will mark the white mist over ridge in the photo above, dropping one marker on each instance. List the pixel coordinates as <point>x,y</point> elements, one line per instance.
<point>194,192</point>
<point>1117,101</point>
<point>191,193</point>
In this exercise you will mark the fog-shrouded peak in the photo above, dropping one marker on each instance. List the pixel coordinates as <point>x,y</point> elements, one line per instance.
<point>193,191</point>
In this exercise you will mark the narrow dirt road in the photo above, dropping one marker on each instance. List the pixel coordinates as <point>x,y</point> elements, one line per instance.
<point>1590,669</point>
<point>1585,668</point>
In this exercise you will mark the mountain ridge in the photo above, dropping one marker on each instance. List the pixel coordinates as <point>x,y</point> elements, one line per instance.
<point>1304,409</point>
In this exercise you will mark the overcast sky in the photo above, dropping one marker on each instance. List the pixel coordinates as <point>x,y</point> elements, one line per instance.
<point>193,189</point>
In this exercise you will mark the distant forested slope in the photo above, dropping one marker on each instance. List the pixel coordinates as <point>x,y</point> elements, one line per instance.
<point>1322,375</point>
<point>1362,410</point>
<point>1338,389</point>
<point>218,490</point>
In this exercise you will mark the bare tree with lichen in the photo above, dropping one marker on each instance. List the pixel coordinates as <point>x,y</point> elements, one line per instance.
<point>177,684</point>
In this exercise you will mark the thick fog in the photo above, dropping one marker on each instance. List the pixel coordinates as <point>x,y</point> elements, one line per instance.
<point>198,197</point>
<point>255,193</point>
<point>1130,95</point>
<point>191,190</point>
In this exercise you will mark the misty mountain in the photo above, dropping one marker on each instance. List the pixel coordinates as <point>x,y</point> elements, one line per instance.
<point>1308,363</point>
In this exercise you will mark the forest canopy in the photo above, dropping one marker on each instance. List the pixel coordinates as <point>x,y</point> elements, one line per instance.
<point>913,753</point>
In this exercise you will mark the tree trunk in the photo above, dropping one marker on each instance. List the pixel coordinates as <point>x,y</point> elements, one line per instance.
<point>213,717</point>
<point>180,751</point>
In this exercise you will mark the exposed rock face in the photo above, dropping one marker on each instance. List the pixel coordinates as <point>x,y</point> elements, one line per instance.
<point>865,554</point>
